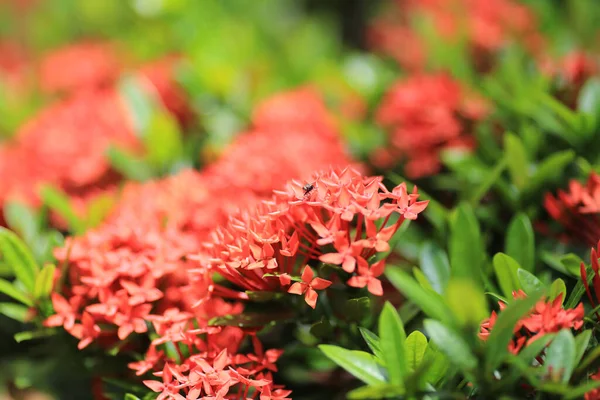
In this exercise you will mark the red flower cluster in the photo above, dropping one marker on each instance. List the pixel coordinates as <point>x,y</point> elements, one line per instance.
<point>133,270</point>
<point>14,70</point>
<point>69,139</point>
<point>578,210</point>
<point>570,74</point>
<point>595,393</point>
<point>331,220</point>
<point>417,133</point>
<point>77,67</point>
<point>486,25</point>
<point>546,317</point>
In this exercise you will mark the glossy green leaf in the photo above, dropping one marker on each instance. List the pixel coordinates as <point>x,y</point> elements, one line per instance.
<point>435,266</point>
<point>518,165</point>
<point>437,364</point>
<point>380,391</point>
<point>466,251</point>
<point>501,335</point>
<point>391,340</point>
<point>15,311</point>
<point>452,345</point>
<point>520,242</point>
<point>558,288</point>
<point>467,302</point>
<point>44,281</point>
<point>415,346</point>
<point>362,365</point>
<point>529,282</point>
<point>372,341</point>
<point>560,356</point>
<point>431,303</point>
<point>506,268</point>
<point>18,257</point>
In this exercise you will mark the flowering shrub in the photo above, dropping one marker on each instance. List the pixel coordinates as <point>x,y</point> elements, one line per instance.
<point>233,200</point>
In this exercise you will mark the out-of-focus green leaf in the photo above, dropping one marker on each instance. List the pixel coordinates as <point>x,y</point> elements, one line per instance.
<point>560,356</point>
<point>581,342</point>
<point>372,341</point>
<point>467,302</point>
<point>163,141</point>
<point>466,251</point>
<point>138,102</point>
<point>491,177</point>
<point>15,311</point>
<point>529,282</point>
<point>452,344</point>
<point>415,347</point>
<point>60,203</point>
<point>18,257</point>
<point>431,303</point>
<point>21,219</point>
<point>558,288</point>
<point>437,364</point>
<point>435,265</point>
<point>380,391</point>
<point>391,340</point>
<point>589,97</point>
<point>506,269</point>
<point>520,242</point>
<point>362,365</point>
<point>422,279</point>
<point>128,165</point>
<point>501,335</point>
<point>31,335</point>
<point>579,391</point>
<point>546,172</point>
<point>516,156</point>
<point>44,281</point>
<point>357,309</point>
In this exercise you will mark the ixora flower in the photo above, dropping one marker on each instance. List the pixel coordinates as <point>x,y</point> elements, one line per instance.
<point>545,317</point>
<point>417,134</point>
<point>80,66</point>
<point>578,209</point>
<point>345,220</point>
<point>595,278</point>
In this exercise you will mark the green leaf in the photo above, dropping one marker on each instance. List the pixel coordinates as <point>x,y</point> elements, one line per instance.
<point>17,312</point>
<point>520,242</point>
<point>139,103</point>
<point>452,344</point>
<point>435,266</point>
<point>502,333</point>
<point>163,140</point>
<point>529,282</point>
<point>489,180</point>
<point>415,347</point>
<point>360,364</point>
<point>321,329</point>
<point>44,281</point>
<point>372,341</point>
<point>533,349</point>
<point>547,170</point>
<point>431,303</point>
<point>21,219</point>
<point>466,251</point>
<point>467,302</point>
<point>422,279</point>
<point>128,165</point>
<point>581,390</point>
<point>252,319</point>
<point>579,290</point>
<point>506,269</point>
<point>518,165</point>
<point>589,97</point>
<point>571,263</point>
<point>380,391</point>
<point>391,340</point>
<point>357,309</point>
<point>581,343</point>
<point>31,335</point>
<point>18,257</point>
<point>560,356</point>
<point>557,288</point>
<point>130,396</point>
<point>437,364</point>
<point>57,201</point>
<point>10,290</point>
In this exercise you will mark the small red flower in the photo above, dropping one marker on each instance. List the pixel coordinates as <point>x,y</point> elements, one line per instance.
<point>309,285</point>
<point>367,276</point>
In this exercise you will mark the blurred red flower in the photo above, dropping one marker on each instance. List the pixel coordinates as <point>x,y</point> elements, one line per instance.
<point>418,134</point>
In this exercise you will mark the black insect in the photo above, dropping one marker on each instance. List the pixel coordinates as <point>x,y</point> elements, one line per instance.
<point>308,188</point>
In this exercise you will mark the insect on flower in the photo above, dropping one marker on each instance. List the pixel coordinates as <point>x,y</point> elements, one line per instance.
<point>309,187</point>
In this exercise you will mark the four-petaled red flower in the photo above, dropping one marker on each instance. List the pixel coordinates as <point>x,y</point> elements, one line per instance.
<point>309,285</point>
